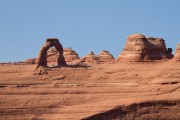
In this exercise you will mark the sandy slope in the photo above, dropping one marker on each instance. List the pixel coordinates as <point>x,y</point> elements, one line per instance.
<point>146,90</point>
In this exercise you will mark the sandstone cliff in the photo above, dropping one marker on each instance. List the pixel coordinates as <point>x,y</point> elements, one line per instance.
<point>103,57</point>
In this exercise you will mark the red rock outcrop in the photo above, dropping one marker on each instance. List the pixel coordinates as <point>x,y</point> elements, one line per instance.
<point>52,56</point>
<point>135,48</point>
<point>70,55</point>
<point>30,61</point>
<point>41,60</point>
<point>139,48</point>
<point>90,57</point>
<point>177,54</point>
<point>105,56</point>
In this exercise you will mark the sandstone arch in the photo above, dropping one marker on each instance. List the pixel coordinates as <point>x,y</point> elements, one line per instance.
<point>41,59</point>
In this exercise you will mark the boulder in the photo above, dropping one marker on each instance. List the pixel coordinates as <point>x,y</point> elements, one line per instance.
<point>60,77</point>
<point>177,53</point>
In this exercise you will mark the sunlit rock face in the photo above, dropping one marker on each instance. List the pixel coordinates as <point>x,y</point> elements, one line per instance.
<point>30,61</point>
<point>90,57</point>
<point>139,47</point>
<point>105,56</point>
<point>69,56</point>
<point>157,49</point>
<point>177,53</point>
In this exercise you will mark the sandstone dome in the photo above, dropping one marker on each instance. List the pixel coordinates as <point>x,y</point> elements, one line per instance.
<point>135,48</point>
<point>136,36</point>
<point>90,57</point>
<point>105,56</point>
<point>140,48</point>
<point>70,55</point>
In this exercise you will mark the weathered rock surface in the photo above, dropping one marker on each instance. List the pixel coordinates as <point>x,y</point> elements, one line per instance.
<point>139,48</point>
<point>119,91</point>
<point>30,61</point>
<point>105,56</point>
<point>52,57</point>
<point>90,57</point>
<point>60,77</point>
<point>177,54</point>
<point>41,60</point>
<point>135,48</point>
<point>70,55</point>
<point>157,49</point>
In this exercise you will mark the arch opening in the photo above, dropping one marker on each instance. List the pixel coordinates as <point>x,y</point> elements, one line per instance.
<point>41,59</point>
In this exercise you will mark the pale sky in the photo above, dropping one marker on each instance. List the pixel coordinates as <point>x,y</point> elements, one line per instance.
<point>83,25</point>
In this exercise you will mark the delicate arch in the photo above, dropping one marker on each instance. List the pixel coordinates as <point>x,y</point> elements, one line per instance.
<point>41,59</point>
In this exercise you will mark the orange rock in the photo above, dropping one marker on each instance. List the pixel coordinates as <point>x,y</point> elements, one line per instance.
<point>41,60</point>
<point>30,61</point>
<point>70,55</point>
<point>139,48</point>
<point>177,54</point>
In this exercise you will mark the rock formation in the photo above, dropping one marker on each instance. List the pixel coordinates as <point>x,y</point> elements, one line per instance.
<point>52,57</point>
<point>90,57</point>
<point>177,54</point>
<point>41,60</point>
<point>30,61</point>
<point>135,48</point>
<point>157,49</point>
<point>105,56</point>
<point>139,48</point>
<point>70,55</point>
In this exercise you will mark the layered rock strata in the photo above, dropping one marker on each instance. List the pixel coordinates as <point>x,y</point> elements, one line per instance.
<point>90,57</point>
<point>139,48</point>
<point>105,56</point>
<point>156,49</point>
<point>70,55</point>
<point>177,53</point>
